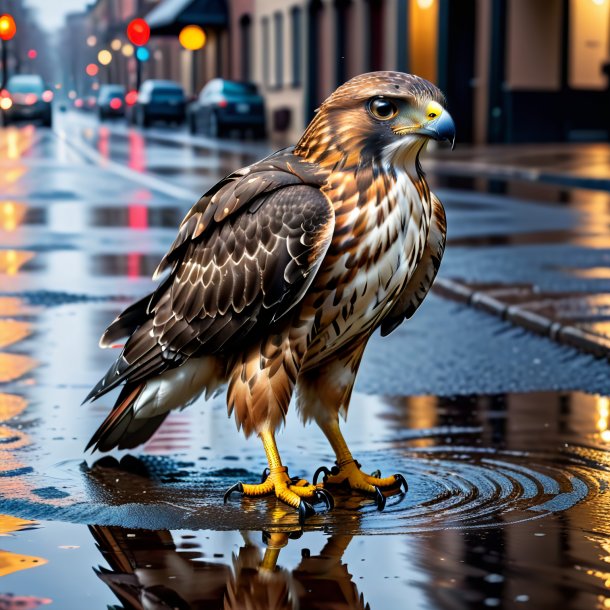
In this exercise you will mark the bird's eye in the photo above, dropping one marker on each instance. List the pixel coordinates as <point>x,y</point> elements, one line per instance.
<point>382,108</point>
<point>433,110</point>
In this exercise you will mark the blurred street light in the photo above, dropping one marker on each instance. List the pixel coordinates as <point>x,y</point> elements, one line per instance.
<point>8,28</point>
<point>32,53</point>
<point>72,94</point>
<point>127,50</point>
<point>116,44</point>
<point>104,57</point>
<point>91,40</point>
<point>192,37</point>
<point>92,69</point>
<point>6,103</point>
<point>138,32</point>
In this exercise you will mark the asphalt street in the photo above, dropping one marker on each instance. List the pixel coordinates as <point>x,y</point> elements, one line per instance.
<point>502,434</point>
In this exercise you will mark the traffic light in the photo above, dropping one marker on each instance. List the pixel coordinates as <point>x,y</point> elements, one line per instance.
<point>8,28</point>
<point>138,32</point>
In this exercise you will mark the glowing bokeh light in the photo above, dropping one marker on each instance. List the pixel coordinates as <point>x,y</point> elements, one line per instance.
<point>192,37</point>
<point>142,54</point>
<point>104,57</point>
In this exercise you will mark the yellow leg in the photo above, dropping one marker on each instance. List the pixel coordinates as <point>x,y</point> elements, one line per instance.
<point>290,491</point>
<point>275,543</point>
<point>347,471</point>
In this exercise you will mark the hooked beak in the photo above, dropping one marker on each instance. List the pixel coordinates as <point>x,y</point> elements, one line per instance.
<point>442,128</point>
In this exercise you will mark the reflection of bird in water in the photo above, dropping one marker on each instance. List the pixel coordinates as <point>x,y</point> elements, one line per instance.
<point>281,273</point>
<point>22,602</point>
<point>148,572</point>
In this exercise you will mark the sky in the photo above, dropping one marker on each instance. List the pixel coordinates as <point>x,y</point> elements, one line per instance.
<point>51,13</point>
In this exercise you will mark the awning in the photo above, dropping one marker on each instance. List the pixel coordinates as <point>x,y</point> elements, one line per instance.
<point>170,16</point>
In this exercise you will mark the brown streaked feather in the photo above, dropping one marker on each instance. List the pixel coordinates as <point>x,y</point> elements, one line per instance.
<point>216,294</point>
<point>239,189</point>
<point>418,286</point>
<point>245,269</point>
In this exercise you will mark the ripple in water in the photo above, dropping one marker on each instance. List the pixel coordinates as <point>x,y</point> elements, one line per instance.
<point>463,487</point>
<point>449,487</point>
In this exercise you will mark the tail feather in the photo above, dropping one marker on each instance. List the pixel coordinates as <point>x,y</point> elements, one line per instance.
<point>140,430</point>
<point>121,429</point>
<point>146,364</point>
<point>109,434</point>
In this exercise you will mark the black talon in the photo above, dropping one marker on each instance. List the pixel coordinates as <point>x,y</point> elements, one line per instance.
<point>237,487</point>
<point>306,510</point>
<point>316,474</point>
<point>376,474</point>
<point>265,474</point>
<point>324,496</point>
<point>402,482</point>
<point>379,499</point>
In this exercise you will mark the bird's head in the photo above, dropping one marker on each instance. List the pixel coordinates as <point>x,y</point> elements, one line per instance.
<point>385,117</point>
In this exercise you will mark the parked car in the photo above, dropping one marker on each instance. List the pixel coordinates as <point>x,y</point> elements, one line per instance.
<point>27,98</point>
<point>159,100</point>
<point>223,105</point>
<point>111,101</point>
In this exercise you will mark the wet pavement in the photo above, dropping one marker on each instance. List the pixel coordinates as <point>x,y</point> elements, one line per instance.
<point>503,435</point>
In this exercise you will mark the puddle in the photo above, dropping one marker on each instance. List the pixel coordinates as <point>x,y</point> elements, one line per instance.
<point>507,507</point>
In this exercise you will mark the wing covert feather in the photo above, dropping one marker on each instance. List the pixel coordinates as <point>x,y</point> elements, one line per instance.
<point>245,255</point>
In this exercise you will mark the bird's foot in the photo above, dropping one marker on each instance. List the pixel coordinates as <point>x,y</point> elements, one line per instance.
<point>295,492</point>
<point>349,475</point>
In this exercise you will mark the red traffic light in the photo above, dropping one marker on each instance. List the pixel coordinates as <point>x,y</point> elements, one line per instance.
<point>138,32</point>
<point>7,27</point>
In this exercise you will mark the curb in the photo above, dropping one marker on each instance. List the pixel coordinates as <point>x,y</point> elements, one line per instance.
<point>518,304</point>
<point>508,172</point>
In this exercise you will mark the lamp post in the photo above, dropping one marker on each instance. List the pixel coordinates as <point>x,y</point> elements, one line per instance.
<point>192,38</point>
<point>138,33</point>
<point>8,29</point>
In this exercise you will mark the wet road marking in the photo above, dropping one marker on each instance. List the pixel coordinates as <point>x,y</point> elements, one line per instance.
<point>144,179</point>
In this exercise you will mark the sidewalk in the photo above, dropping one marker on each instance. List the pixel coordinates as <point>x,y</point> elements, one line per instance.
<point>549,279</point>
<point>574,165</point>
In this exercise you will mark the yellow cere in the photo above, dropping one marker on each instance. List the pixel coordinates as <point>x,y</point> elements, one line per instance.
<point>433,110</point>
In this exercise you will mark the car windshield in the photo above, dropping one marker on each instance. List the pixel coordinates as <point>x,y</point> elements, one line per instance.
<point>25,85</point>
<point>110,92</point>
<point>167,93</point>
<point>232,88</point>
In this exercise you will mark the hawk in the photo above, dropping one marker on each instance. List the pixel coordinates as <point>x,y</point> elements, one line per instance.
<point>280,274</point>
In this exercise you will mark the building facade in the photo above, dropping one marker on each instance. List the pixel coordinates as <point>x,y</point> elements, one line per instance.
<point>512,70</point>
